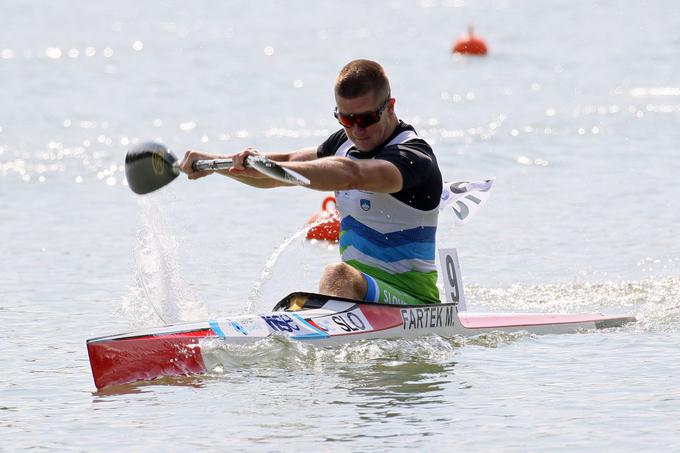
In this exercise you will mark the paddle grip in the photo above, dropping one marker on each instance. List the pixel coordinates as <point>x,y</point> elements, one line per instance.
<point>214,164</point>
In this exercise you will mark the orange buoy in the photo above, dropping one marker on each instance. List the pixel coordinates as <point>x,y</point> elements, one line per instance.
<point>470,44</point>
<point>326,224</point>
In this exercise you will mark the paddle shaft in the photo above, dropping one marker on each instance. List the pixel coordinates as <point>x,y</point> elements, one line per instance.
<point>260,163</point>
<point>214,164</point>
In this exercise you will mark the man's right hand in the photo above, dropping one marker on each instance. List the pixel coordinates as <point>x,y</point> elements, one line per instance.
<point>238,164</point>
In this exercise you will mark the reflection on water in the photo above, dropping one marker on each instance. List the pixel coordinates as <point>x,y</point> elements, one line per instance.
<point>140,387</point>
<point>377,373</point>
<point>388,384</point>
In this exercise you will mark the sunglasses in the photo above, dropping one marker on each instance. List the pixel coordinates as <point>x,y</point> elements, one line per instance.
<point>363,120</point>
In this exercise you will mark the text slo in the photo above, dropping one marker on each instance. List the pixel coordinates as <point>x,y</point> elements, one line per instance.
<point>349,322</point>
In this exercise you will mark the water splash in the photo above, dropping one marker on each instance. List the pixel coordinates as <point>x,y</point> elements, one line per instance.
<point>295,265</point>
<point>278,351</point>
<point>268,270</point>
<point>655,301</point>
<point>159,291</point>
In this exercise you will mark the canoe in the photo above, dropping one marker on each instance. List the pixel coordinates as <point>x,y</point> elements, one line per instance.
<point>185,349</point>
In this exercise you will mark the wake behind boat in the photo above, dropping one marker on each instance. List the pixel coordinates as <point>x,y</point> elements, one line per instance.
<point>184,349</point>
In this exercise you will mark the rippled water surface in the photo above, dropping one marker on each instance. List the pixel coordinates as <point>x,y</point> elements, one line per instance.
<point>575,112</point>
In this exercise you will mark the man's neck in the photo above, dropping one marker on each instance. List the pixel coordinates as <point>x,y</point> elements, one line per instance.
<point>392,126</point>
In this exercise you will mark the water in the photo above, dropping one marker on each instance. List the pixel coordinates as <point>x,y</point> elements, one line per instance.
<point>575,112</point>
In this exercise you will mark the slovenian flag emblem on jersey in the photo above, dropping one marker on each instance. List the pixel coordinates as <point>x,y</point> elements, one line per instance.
<point>365,204</point>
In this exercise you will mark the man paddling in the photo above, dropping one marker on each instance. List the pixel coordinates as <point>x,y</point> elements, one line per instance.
<point>387,185</point>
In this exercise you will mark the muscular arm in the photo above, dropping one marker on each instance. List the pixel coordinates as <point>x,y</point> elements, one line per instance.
<point>299,155</point>
<point>325,174</point>
<point>247,176</point>
<point>255,179</point>
<point>329,173</point>
<point>343,173</point>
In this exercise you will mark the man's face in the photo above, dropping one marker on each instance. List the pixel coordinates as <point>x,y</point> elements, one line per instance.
<point>366,138</point>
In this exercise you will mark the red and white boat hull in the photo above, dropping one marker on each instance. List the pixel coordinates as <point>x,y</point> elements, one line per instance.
<point>184,349</point>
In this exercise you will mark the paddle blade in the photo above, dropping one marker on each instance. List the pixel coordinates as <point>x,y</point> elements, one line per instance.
<point>150,166</point>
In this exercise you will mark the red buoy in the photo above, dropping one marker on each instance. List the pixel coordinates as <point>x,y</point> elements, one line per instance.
<point>470,44</point>
<point>326,223</point>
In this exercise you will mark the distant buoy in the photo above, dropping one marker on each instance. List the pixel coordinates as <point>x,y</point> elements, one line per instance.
<point>470,44</point>
<point>326,223</point>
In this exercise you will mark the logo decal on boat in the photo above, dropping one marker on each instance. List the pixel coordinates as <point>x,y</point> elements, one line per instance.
<point>281,323</point>
<point>321,326</point>
<point>239,328</point>
<point>365,204</point>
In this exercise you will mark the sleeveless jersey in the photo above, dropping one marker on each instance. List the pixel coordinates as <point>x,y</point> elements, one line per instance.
<point>383,236</point>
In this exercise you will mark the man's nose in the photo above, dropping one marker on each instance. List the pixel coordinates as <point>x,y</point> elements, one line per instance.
<point>356,128</point>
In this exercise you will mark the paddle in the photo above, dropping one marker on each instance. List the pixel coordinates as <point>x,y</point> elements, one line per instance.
<point>150,166</point>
